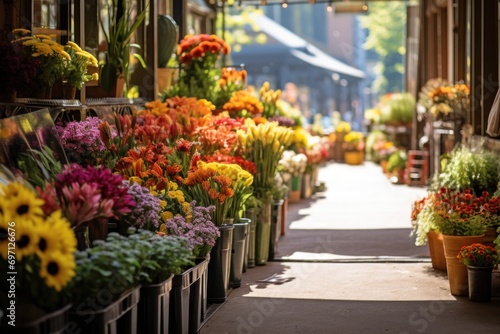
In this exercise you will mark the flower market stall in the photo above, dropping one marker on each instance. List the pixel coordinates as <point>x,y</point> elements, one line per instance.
<point>145,203</point>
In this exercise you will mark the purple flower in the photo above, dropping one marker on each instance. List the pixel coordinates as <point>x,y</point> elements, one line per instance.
<point>200,230</point>
<point>146,213</point>
<point>81,140</point>
<point>282,120</point>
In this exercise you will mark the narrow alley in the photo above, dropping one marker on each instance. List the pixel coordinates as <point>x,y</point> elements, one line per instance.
<point>348,265</point>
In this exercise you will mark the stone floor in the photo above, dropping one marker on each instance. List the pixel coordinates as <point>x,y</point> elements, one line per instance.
<point>348,265</point>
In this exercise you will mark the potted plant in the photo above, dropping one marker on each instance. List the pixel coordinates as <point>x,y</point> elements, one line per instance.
<point>396,165</point>
<point>398,109</point>
<point>75,71</point>
<point>475,169</point>
<point>426,231</point>
<point>162,257</point>
<point>480,260</point>
<point>51,58</point>
<point>460,217</point>
<point>119,27</point>
<point>109,273</point>
<point>354,147</point>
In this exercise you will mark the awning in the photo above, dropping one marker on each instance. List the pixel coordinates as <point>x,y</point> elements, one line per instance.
<point>304,50</point>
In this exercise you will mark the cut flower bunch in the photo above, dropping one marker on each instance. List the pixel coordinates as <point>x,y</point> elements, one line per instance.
<point>45,246</point>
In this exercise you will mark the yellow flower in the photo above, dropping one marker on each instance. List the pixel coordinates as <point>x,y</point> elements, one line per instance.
<point>62,228</point>
<point>21,31</point>
<point>167,215</point>
<point>26,239</point>
<point>22,203</point>
<point>48,240</point>
<point>74,46</point>
<point>57,269</point>
<point>186,207</point>
<point>4,237</point>
<point>135,179</point>
<point>163,204</point>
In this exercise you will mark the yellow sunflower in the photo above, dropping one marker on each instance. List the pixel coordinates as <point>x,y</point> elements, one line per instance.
<point>4,237</point>
<point>24,205</point>
<point>26,239</point>
<point>61,227</point>
<point>48,240</point>
<point>57,269</point>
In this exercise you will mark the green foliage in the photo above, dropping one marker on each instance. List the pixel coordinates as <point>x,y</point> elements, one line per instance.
<point>471,169</point>
<point>386,26</point>
<point>397,161</point>
<point>118,33</point>
<point>121,263</point>
<point>454,225</point>
<point>39,166</point>
<point>398,109</point>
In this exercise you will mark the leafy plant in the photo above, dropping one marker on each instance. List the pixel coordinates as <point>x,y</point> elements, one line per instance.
<point>122,262</point>
<point>461,213</point>
<point>475,169</point>
<point>397,161</point>
<point>118,33</point>
<point>39,166</point>
<point>398,109</point>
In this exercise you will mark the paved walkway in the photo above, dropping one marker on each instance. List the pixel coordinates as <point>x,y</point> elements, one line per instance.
<point>348,265</point>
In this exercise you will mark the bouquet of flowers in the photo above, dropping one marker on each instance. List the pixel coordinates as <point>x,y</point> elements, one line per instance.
<point>243,104</point>
<point>218,135</point>
<point>446,99</point>
<point>478,255</point>
<point>460,212</point>
<point>211,187</point>
<point>75,70</point>
<point>269,98</point>
<point>198,55</point>
<point>87,194</point>
<point>82,141</point>
<point>200,230</point>
<point>45,244</point>
<point>241,185</point>
<point>353,141</point>
<point>292,164</point>
<point>146,214</point>
<point>231,80</point>
<point>50,54</point>
<point>264,144</point>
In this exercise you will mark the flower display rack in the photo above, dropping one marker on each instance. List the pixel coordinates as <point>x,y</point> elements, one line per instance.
<point>154,308</point>
<point>33,322</point>
<point>119,317</point>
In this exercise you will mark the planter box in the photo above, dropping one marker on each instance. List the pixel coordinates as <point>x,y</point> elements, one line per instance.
<point>187,301</point>
<point>153,310</point>
<point>32,320</point>
<point>120,317</point>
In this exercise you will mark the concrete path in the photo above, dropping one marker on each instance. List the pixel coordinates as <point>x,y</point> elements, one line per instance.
<point>348,265</point>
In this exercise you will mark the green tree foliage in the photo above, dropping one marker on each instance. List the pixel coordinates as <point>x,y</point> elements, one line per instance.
<point>386,22</point>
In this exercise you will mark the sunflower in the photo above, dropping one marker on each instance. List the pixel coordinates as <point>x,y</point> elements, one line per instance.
<point>57,269</point>
<point>23,204</point>
<point>26,239</point>
<point>48,240</point>
<point>4,228</point>
<point>61,227</point>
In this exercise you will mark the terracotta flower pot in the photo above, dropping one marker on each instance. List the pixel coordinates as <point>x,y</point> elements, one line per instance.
<point>457,271</point>
<point>436,249</point>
